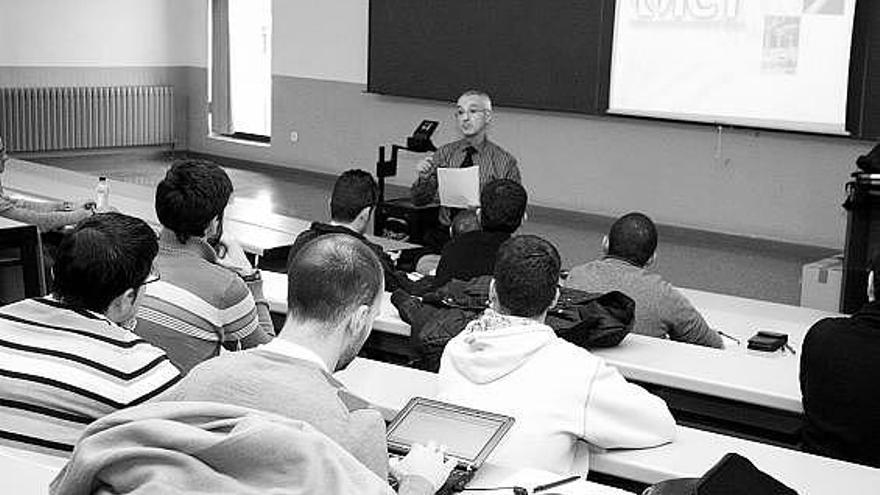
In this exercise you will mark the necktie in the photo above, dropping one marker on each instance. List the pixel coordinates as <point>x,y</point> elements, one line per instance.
<point>469,153</point>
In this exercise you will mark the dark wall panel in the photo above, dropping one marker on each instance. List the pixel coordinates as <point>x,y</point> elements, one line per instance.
<point>542,54</point>
<point>863,100</point>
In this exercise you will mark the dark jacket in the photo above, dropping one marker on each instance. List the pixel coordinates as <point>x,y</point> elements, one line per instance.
<point>394,279</point>
<point>584,319</point>
<point>840,372</point>
<point>469,255</point>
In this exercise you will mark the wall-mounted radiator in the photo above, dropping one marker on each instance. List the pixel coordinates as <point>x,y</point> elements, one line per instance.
<point>48,119</point>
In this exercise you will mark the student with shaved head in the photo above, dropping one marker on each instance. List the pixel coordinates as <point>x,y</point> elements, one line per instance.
<point>661,311</point>
<point>335,287</point>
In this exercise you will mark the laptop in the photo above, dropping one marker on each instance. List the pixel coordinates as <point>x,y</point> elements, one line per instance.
<point>469,435</point>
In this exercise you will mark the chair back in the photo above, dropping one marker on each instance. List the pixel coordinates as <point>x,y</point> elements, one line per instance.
<point>21,264</point>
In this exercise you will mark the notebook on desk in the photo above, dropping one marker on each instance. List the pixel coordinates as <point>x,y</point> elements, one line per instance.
<point>469,435</point>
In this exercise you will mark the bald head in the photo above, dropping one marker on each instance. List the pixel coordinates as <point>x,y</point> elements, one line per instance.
<point>633,237</point>
<point>330,277</point>
<point>478,96</point>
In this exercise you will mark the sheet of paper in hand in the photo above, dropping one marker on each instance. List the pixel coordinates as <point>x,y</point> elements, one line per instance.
<point>459,187</point>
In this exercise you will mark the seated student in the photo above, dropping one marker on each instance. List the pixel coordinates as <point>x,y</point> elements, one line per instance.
<point>334,294</point>
<point>503,204</point>
<point>45,215</point>
<point>464,221</point>
<point>207,297</point>
<point>510,362</point>
<point>70,358</point>
<point>839,366</point>
<point>660,309</point>
<point>352,204</point>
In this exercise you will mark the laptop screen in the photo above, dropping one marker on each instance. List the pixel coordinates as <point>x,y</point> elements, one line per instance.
<point>468,434</point>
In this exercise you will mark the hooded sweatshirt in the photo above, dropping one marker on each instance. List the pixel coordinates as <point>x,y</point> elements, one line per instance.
<point>557,392</point>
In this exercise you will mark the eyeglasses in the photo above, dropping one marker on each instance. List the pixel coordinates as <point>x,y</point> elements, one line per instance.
<point>152,277</point>
<point>470,112</point>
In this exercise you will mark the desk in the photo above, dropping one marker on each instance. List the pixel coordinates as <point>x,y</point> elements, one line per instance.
<point>733,373</point>
<point>256,228</point>
<point>693,452</point>
<point>6,222</point>
<point>493,475</point>
<point>735,390</point>
<point>27,473</point>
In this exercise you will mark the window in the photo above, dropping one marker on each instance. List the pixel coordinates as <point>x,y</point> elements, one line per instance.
<point>241,69</point>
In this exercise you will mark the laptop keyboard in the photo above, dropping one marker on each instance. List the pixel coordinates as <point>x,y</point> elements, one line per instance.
<point>457,481</point>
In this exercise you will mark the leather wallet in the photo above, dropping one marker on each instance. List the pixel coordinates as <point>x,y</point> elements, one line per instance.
<point>768,341</point>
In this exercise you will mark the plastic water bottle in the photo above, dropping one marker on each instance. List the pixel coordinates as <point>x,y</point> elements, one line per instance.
<point>102,193</point>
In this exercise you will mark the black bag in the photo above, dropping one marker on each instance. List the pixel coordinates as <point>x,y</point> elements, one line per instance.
<point>870,163</point>
<point>592,320</point>
<point>585,319</point>
<point>732,475</point>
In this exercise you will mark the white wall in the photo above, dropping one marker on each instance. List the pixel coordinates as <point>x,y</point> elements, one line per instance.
<point>320,39</point>
<point>107,33</point>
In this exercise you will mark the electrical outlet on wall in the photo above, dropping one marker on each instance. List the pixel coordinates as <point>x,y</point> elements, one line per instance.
<point>294,136</point>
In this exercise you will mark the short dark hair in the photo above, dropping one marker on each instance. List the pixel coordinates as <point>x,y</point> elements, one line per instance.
<point>633,237</point>
<point>192,194</point>
<point>330,277</point>
<point>102,257</point>
<point>526,275</point>
<point>502,205</point>
<point>354,190</point>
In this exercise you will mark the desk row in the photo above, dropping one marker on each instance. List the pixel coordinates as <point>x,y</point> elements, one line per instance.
<point>250,221</point>
<point>691,454</point>
<point>732,373</point>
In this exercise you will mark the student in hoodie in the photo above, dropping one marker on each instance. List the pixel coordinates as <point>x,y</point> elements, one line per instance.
<point>839,367</point>
<point>508,361</point>
<point>352,204</point>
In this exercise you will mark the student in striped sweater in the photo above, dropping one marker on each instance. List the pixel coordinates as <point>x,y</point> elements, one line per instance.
<point>210,295</point>
<point>70,358</point>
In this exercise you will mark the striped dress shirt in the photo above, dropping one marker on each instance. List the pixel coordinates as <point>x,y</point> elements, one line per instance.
<point>62,368</point>
<point>493,160</point>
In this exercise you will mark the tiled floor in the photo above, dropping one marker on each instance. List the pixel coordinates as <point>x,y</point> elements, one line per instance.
<point>687,260</point>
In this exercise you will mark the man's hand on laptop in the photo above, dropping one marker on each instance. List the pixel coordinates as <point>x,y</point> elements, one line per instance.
<point>423,461</point>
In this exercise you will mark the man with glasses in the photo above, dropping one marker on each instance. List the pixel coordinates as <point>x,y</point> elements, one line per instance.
<point>69,358</point>
<point>473,115</point>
